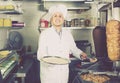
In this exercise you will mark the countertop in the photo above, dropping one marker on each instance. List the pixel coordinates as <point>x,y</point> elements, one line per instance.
<point>105,67</point>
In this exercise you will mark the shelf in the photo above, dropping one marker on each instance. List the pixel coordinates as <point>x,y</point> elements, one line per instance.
<point>78,8</point>
<point>4,27</point>
<point>11,27</point>
<point>82,28</point>
<point>63,0</point>
<point>10,12</point>
<point>78,28</point>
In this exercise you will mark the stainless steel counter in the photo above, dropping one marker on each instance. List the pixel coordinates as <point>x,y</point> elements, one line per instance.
<point>100,67</point>
<point>23,70</point>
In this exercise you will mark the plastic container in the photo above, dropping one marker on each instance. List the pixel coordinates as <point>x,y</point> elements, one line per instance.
<point>44,23</point>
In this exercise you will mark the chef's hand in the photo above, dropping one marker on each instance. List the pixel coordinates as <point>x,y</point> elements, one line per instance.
<point>83,56</point>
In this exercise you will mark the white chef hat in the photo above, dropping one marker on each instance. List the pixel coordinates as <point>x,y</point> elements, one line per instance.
<point>58,8</point>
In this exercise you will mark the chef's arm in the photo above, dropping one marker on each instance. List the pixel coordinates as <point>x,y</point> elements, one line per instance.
<point>76,51</point>
<point>41,47</point>
<point>83,55</point>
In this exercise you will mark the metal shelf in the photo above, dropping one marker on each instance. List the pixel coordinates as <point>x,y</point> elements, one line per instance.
<point>83,28</point>
<point>10,12</point>
<point>63,0</point>
<point>11,27</point>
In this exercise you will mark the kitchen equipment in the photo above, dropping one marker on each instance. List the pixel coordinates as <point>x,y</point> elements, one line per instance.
<point>113,79</point>
<point>15,41</point>
<point>55,60</point>
<point>99,68</point>
<point>94,78</point>
<point>8,67</point>
<point>99,37</point>
<point>76,21</point>
<point>113,44</point>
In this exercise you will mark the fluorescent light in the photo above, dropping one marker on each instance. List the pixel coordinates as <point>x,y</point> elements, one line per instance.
<point>89,1</point>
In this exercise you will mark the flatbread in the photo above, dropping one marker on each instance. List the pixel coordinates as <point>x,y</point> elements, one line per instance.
<point>55,60</point>
<point>4,53</point>
<point>93,60</point>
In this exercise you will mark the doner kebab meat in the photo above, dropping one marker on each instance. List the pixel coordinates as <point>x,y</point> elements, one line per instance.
<point>113,39</point>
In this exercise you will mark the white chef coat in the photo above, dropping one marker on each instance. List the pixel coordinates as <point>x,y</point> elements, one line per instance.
<point>53,44</point>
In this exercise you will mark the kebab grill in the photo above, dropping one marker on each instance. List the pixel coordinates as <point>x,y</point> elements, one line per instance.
<point>113,42</point>
<point>107,68</point>
<point>95,78</point>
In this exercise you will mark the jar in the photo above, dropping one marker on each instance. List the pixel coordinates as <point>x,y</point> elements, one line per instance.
<point>75,22</point>
<point>72,23</point>
<point>82,22</point>
<point>44,23</point>
<point>67,23</point>
<point>7,22</point>
<point>87,22</point>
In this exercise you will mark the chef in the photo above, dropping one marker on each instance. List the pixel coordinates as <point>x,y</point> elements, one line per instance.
<point>56,41</point>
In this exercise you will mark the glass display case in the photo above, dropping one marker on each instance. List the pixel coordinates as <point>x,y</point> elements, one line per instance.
<point>8,65</point>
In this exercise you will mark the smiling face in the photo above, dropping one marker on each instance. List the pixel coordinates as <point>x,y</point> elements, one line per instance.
<point>57,19</point>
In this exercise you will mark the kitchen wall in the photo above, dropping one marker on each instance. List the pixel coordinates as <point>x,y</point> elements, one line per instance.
<point>32,15</point>
<point>31,18</point>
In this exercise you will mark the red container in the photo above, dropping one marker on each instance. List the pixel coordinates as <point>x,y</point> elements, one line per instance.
<point>44,23</point>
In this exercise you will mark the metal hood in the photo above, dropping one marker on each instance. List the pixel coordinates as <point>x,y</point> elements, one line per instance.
<point>72,5</point>
<point>63,0</point>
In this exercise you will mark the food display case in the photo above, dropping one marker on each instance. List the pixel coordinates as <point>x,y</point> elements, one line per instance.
<point>8,66</point>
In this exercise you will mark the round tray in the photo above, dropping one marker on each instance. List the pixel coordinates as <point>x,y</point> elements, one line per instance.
<point>55,60</point>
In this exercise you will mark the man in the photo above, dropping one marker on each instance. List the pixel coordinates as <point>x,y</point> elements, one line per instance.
<point>55,41</point>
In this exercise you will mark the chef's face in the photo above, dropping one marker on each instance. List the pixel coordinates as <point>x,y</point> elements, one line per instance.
<point>57,19</point>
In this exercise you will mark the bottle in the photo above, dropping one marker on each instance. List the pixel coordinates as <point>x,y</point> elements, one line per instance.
<point>29,49</point>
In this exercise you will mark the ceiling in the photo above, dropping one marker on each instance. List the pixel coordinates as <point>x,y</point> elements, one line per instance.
<point>74,4</point>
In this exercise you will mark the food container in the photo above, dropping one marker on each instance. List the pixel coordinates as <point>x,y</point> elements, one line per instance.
<point>96,70</point>
<point>7,22</point>
<point>87,22</point>
<point>67,23</point>
<point>86,77</point>
<point>75,22</point>
<point>110,79</point>
<point>44,23</point>
<point>20,24</point>
<point>82,22</point>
